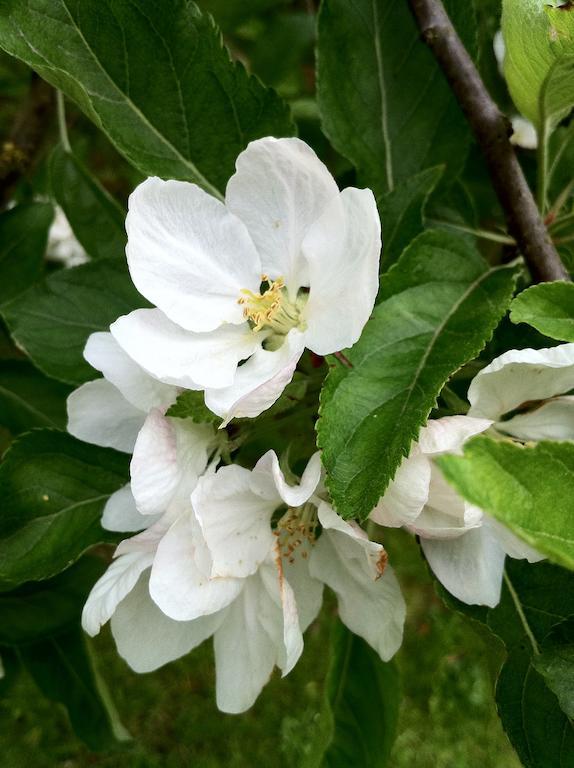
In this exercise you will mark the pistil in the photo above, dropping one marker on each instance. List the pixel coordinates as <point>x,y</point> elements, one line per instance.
<point>271,309</point>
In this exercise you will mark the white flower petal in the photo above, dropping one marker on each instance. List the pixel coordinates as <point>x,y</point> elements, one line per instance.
<point>308,591</point>
<point>259,382</point>
<point>342,249</point>
<point>449,433</point>
<point>554,420</point>
<point>111,588</point>
<point>469,566</point>
<point>279,189</point>
<point>268,481</point>
<point>180,582</point>
<point>188,254</point>
<point>147,639</point>
<point>235,522</point>
<point>141,390</point>
<point>511,544</point>
<point>169,455</point>
<point>370,600</point>
<point>98,413</point>
<point>524,133</point>
<point>407,494</point>
<point>245,654</point>
<point>183,358</point>
<point>519,376</point>
<point>121,514</point>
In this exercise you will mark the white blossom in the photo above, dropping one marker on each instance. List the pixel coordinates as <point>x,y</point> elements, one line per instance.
<point>287,262</point>
<point>63,245</point>
<point>222,565</point>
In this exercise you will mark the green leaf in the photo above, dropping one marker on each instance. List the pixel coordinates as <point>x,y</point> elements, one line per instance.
<point>191,405</point>
<point>539,61</point>
<point>53,489</point>
<point>29,399</point>
<point>528,488</point>
<point>385,105</point>
<point>556,664</point>
<point>534,599</point>
<point>548,307</point>
<point>97,220</point>
<point>439,306</point>
<point>402,213</point>
<point>155,79</point>
<point>23,238</point>
<point>52,320</point>
<point>40,610</point>
<point>63,669</point>
<point>358,722</point>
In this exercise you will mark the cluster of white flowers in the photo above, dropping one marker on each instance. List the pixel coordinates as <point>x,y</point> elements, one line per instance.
<point>240,290</point>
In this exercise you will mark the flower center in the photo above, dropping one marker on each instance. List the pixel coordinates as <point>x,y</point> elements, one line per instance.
<point>272,309</point>
<point>296,531</point>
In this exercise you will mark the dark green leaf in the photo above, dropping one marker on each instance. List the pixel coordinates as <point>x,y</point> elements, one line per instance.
<point>528,488</point>
<point>23,239</point>
<point>548,307</point>
<point>156,79</point>
<point>52,320</point>
<point>63,669</point>
<point>9,669</point>
<point>358,723</point>
<point>29,399</point>
<point>439,306</point>
<point>53,489</point>
<point>97,220</point>
<point>556,664</point>
<point>402,213</point>
<point>534,599</point>
<point>36,611</point>
<point>384,102</point>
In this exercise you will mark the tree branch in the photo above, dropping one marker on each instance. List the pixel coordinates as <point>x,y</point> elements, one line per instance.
<point>492,130</point>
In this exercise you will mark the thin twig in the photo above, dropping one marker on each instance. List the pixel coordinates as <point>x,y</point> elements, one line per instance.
<point>492,130</point>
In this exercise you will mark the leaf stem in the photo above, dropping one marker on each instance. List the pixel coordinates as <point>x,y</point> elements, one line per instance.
<point>521,615</point>
<point>542,168</point>
<point>496,237</point>
<point>62,127</point>
<point>491,129</point>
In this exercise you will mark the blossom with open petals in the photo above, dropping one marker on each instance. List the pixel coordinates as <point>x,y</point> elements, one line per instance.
<point>524,393</point>
<point>242,287</point>
<point>464,547</point>
<point>220,568</point>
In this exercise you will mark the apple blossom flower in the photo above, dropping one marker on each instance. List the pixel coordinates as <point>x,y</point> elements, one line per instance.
<point>111,412</point>
<point>524,393</point>
<point>241,288</point>
<point>220,568</point>
<point>63,245</point>
<point>464,547</point>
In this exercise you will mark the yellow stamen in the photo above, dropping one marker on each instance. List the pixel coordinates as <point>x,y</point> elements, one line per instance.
<point>272,309</point>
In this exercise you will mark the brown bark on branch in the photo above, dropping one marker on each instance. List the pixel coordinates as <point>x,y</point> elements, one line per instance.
<point>492,132</point>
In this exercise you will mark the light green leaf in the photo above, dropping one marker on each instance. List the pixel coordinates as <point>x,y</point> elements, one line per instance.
<point>528,488</point>
<point>548,307</point>
<point>402,213</point>
<point>439,306</point>
<point>191,405</point>
<point>63,669</point>
<point>97,220</point>
<point>539,61</point>
<point>53,489</point>
<point>155,79</point>
<point>52,320</point>
<point>29,399</point>
<point>359,718</point>
<point>384,103</point>
<point>534,598</point>
<point>23,238</point>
